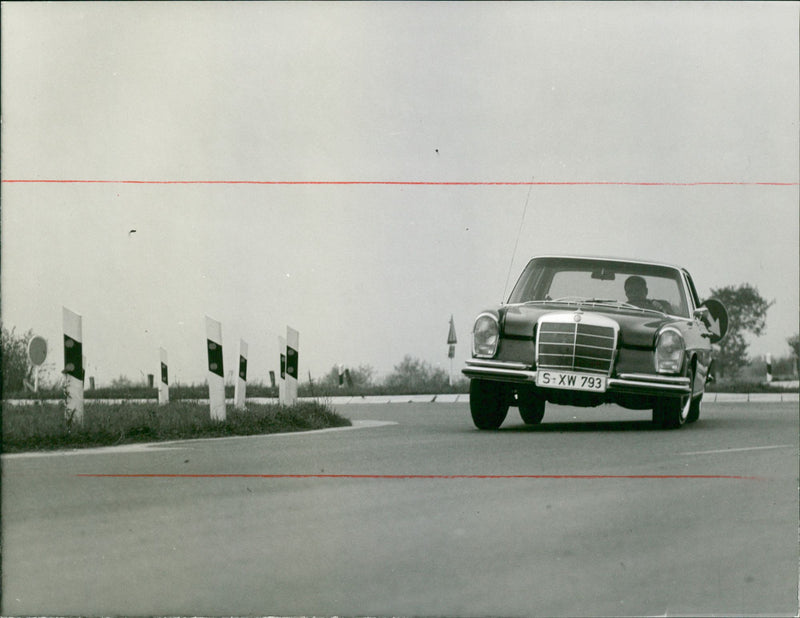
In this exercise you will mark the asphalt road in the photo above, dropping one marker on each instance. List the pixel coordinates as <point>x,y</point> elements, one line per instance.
<point>592,513</point>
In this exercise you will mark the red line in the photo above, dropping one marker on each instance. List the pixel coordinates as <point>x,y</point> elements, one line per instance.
<point>400,182</point>
<point>425,476</point>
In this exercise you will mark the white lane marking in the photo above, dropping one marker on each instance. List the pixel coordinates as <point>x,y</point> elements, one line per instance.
<point>100,450</point>
<point>356,425</point>
<point>362,424</point>
<point>739,450</point>
<point>174,444</point>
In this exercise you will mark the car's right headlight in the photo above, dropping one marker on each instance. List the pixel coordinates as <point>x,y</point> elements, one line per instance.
<point>485,335</point>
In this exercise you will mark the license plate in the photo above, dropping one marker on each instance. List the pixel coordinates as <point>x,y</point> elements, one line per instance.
<point>571,380</point>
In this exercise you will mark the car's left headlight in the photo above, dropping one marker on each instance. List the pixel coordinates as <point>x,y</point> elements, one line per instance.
<point>485,336</point>
<point>670,350</point>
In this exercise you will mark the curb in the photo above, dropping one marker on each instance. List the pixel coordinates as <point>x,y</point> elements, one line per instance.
<point>752,397</point>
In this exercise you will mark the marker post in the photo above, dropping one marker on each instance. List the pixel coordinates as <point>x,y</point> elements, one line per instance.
<point>241,380</point>
<point>216,371</point>
<point>73,365</point>
<point>282,377</point>
<point>292,364</point>
<point>163,383</point>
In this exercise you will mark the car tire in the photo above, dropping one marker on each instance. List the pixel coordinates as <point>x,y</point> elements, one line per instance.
<point>531,407</point>
<point>674,412</point>
<point>694,410</point>
<point>488,403</point>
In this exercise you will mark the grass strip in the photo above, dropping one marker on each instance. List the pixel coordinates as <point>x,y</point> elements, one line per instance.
<point>44,426</point>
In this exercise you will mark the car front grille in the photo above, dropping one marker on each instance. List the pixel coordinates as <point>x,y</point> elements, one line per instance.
<point>566,345</point>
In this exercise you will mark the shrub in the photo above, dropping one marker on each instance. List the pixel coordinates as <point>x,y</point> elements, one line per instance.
<point>413,374</point>
<point>14,359</point>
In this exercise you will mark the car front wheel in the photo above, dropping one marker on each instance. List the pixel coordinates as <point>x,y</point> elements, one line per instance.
<point>694,410</point>
<point>674,412</point>
<point>488,403</point>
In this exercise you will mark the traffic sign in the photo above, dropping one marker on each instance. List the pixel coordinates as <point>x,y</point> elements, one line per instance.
<point>717,322</point>
<point>37,350</point>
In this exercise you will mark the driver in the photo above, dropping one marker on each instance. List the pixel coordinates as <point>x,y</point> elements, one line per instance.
<point>636,291</point>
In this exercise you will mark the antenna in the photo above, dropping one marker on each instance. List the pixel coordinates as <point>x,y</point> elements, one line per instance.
<point>519,233</point>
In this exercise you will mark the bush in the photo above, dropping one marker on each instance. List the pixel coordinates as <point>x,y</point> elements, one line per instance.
<point>744,386</point>
<point>415,375</point>
<point>352,377</point>
<point>14,360</point>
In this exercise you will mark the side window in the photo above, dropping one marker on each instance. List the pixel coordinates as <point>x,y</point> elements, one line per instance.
<point>695,298</point>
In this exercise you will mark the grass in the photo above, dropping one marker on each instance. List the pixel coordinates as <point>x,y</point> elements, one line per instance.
<point>200,391</point>
<point>747,386</point>
<point>193,392</point>
<point>44,426</point>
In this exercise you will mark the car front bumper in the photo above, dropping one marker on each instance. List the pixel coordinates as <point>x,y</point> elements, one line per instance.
<point>633,383</point>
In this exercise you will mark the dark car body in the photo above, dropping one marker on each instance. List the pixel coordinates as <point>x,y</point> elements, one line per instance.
<point>569,335</point>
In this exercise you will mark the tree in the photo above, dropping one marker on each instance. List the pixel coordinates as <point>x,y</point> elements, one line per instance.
<point>361,376</point>
<point>794,343</point>
<point>15,360</point>
<point>413,374</point>
<point>747,313</point>
<point>122,382</point>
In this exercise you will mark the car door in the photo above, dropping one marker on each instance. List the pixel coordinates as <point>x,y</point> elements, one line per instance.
<point>698,335</point>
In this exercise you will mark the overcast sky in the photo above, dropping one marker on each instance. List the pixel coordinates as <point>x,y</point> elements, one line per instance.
<point>273,95</point>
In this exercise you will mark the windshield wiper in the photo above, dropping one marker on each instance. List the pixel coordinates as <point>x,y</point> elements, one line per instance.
<point>580,300</point>
<point>623,305</point>
<point>536,302</point>
<point>570,300</point>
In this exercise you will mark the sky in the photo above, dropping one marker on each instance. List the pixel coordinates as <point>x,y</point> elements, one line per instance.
<point>363,171</point>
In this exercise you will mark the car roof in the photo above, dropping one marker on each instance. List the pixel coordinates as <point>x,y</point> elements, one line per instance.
<point>606,258</point>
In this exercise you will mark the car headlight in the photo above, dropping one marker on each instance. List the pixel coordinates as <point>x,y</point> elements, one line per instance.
<point>670,349</point>
<point>485,335</point>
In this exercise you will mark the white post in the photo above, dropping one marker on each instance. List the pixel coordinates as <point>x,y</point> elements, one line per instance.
<point>241,381</point>
<point>216,371</point>
<point>163,383</point>
<point>292,364</point>
<point>282,377</point>
<point>452,340</point>
<point>450,375</point>
<point>769,367</point>
<point>73,365</point>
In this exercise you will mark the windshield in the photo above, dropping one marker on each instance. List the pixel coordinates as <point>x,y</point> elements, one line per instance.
<point>642,286</point>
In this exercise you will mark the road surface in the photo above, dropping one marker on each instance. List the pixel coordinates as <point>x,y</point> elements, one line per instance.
<point>592,513</point>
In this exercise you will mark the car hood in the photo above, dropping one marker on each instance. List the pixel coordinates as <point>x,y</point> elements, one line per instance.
<point>637,329</point>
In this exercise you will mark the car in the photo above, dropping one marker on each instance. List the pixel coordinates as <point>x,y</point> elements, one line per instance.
<point>585,331</point>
